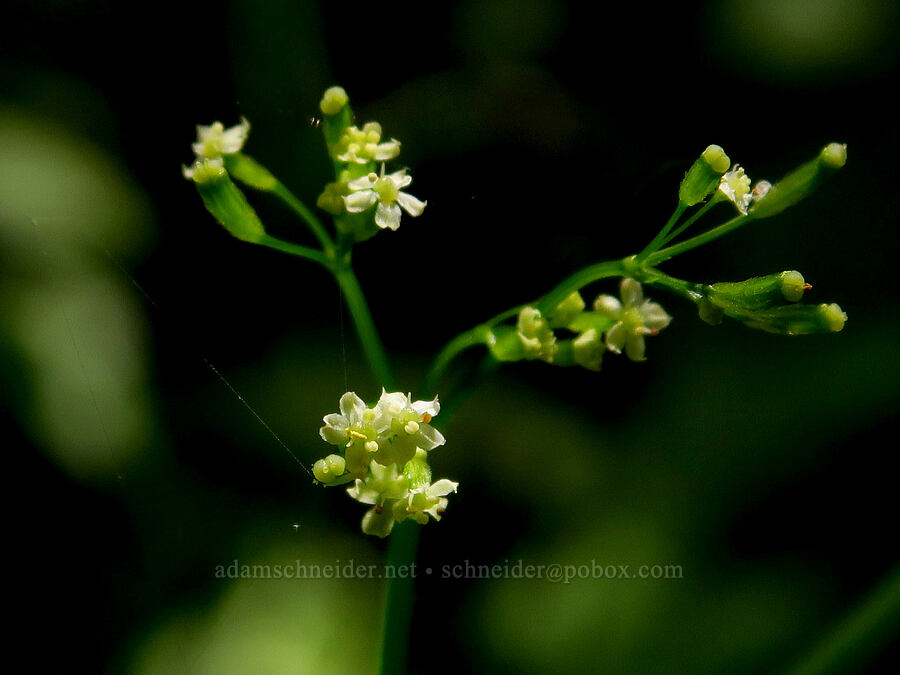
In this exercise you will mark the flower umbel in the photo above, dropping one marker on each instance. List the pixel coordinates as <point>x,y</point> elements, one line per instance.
<point>386,452</point>
<point>384,190</point>
<point>635,317</point>
<point>361,146</point>
<point>215,140</point>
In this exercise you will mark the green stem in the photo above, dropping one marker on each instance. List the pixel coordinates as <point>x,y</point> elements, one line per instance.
<point>660,236</point>
<point>690,221</point>
<point>701,239</point>
<point>295,249</point>
<point>365,326</point>
<point>580,279</point>
<point>870,627</point>
<point>401,559</point>
<point>308,217</point>
<point>471,338</point>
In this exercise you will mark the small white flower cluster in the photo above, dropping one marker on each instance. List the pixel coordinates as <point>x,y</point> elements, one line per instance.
<point>359,187</point>
<point>613,325</point>
<point>385,453</point>
<point>213,142</point>
<point>735,187</point>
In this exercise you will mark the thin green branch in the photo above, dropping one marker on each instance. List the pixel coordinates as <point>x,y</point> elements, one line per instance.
<point>690,221</point>
<point>657,241</point>
<point>401,557</point>
<point>365,326</point>
<point>701,239</point>
<point>295,249</point>
<point>308,217</point>
<point>580,279</point>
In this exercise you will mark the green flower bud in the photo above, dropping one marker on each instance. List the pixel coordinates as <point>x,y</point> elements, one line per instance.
<point>505,344</point>
<point>588,349</point>
<point>797,319</point>
<point>417,470</point>
<point>758,292</point>
<point>566,311</point>
<point>703,177</point>
<point>250,172</point>
<point>333,101</point>
<point>709,312</point>
<point>329,468</point>
<point>536,335</point>
<point>801,182</point>
<point>224,200</point>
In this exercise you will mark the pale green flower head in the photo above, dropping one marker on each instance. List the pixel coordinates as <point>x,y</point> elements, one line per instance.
<point>333,100</point>
<point>386,192</point>
<point>205,170</point>
<point>215,140</point>
<point>422,502</point>
<point>536,335</point>
<point>635,317</point>
<point>382,487</point>
<point>361,146</point>
<point>735,187</point>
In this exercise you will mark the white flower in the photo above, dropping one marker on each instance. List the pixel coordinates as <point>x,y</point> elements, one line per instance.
<point>215,140</point>
<point>635,318</point>
<point>735,186</point>
<point>354,427</point>
<point>424,501</point>
<point>403,426</point>
<point>361,146</point>
<point>385,191</point>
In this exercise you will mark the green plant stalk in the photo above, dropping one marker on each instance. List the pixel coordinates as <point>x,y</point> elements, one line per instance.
<point>660,236</point>
<point>690,221</point>
<point>401,555</point>
<point>306,215</point>
<point>580,279</point>
<point>295,249</point>
<point>869,627</point>
<point>371,342</point>
<point>668,253</point>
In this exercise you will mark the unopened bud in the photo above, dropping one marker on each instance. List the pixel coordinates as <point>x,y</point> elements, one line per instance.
<point>329,468</point>
<point>417,470</point>
<point>703,176</point>
<point>798,319</point>
<point>333,101</point>
<point>801,182</point>
<point>566,311</point>
<point>758,292</point>
<point>224,200</point>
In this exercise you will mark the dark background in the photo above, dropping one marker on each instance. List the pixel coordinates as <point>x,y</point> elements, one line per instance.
<point>545,136</point>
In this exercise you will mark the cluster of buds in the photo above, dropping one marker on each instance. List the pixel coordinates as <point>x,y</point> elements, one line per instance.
<point>361,185</point>
<point>574,335</point>
<point>383,450</point>
<point>770,303</point>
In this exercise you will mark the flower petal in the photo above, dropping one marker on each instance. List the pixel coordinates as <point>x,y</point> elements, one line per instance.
<point>357,202</point>
<point>632,294</point>
<point>352,407</point>
<point>410,204</point>
<point>607,305</point>
<point>386,216</point>
<point>655,317</point>
<point>634,347</point>
<point>442,487</point>
<point>615,338</point>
